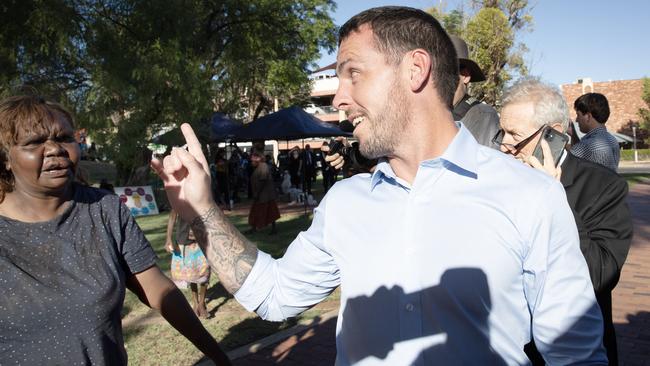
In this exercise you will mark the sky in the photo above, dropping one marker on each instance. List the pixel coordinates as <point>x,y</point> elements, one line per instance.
<point>599,39</point>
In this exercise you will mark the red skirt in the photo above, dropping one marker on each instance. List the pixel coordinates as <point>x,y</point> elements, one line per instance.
<point>263,214</point>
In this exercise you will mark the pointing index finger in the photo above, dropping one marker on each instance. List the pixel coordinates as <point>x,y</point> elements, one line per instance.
<point>194,146</point>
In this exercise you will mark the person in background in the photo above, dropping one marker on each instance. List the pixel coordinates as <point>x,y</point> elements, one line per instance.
<point>189,265</point>
<point>68,252</point>
<point>264,210</point>
<point>83,146</point>
<point>329,172</point>
<point>481,119</point>
<point>597,145</point>
<point>92,152</point>
<point>448,253</point>
<point>221,182</point>
<point>596,195</point>
<point>307,168</point>
<point>294,167</point>
<point>105,185</point>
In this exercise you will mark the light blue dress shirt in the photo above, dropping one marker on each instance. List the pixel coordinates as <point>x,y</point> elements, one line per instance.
<point>463,266</point>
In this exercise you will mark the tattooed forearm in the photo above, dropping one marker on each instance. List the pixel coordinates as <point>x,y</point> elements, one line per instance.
<point>229,253</point>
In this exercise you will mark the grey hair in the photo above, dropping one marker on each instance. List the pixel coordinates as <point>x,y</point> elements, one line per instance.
<point>549,104</point>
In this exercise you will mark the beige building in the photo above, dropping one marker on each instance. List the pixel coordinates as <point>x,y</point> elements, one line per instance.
<point>324,85</point>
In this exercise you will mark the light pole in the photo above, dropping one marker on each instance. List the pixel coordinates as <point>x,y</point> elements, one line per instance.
<point>636,153</point>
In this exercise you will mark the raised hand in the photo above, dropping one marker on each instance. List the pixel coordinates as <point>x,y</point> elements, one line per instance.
<point>548,167</point>
<point>186,177</point>
<point>336,160</point>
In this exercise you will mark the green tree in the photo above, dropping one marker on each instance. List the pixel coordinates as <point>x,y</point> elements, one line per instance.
<point>130,68</point>
<point>490,32</point>
<point>490,37</point>
<point>40,46</point>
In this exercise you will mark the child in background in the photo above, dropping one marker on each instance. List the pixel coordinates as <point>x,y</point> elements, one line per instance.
<point>189,265</point>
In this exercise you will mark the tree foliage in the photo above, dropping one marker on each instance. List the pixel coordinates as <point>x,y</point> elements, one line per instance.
<point>129,68</point>
<point>490,31</point>
<point>644,113</point>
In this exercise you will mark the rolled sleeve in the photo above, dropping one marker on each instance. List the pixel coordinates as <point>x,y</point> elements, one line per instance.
<point>258,284</point>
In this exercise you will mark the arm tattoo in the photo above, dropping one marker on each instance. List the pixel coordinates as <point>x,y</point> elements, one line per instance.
<point>229,253</point>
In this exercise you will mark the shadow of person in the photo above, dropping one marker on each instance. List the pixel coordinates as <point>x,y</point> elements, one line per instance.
<point>449,319</point>
<point>574,335</point>
<point>633,337</point>
<point>217,291</point>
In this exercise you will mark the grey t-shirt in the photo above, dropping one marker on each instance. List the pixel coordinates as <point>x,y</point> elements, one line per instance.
<point>63,283</point>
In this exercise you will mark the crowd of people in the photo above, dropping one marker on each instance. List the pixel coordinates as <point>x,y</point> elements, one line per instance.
<point>475,238</point>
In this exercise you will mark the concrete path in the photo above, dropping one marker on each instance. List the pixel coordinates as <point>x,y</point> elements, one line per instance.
<point>315,344</point>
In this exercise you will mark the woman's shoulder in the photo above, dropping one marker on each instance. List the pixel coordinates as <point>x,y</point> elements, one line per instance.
<point>95,196</point>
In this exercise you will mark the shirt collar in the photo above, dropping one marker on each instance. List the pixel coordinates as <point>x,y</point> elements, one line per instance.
<point>459,157</point>
<point>596,131</point>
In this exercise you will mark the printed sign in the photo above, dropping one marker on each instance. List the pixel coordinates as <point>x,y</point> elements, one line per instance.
<point>139,200</point>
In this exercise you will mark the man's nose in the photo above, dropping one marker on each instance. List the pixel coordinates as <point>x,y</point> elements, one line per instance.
<point>341,99</point>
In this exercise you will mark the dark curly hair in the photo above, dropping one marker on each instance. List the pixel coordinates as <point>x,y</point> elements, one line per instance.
<point>23,114</point>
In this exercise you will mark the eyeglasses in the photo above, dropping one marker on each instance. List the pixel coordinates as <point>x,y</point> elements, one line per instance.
<point>516,148</point>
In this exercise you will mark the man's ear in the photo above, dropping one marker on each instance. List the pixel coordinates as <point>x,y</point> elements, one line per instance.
<point>419,64</point>
<point>464,76</point>
<point>557,126</point>
<point>590,118</point>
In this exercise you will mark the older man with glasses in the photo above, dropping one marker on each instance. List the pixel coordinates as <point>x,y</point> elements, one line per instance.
<point>595,194</point>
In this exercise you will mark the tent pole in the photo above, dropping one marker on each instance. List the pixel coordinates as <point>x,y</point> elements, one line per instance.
<point>304,202</point>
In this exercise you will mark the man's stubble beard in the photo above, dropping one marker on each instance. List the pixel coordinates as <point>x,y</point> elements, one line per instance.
<point>387,128</point>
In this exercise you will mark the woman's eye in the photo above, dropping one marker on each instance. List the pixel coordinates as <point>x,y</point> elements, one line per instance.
<point>66,138</point>
<point>33,142</point>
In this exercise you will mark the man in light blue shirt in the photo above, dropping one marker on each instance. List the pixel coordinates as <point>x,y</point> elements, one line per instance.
<point>449,253</point>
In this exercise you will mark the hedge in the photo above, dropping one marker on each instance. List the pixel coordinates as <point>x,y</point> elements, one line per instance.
<point>628,155</point>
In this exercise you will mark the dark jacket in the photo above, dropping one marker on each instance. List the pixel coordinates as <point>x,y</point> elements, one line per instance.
<point>480,119</point>
<point>597,197</point>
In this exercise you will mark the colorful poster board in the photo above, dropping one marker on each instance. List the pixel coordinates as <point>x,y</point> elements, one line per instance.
<point>140,200</point>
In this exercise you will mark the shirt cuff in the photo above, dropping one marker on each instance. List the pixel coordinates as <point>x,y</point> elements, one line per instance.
<point>258,283</point>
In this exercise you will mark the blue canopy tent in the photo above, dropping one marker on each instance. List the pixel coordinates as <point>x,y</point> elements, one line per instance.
<point>219,128</point>
<point>223,128</point>
<point>291,123</point>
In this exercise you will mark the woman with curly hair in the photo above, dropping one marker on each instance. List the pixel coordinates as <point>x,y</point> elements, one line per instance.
<point>67,251</point>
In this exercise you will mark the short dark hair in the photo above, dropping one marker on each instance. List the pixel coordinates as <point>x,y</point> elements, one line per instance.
<point>398,29</point>
<point>594,103</point>
<point>23,113</point>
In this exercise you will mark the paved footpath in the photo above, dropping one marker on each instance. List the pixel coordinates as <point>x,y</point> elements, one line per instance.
<point>315,345</point>
<point>631,298</point>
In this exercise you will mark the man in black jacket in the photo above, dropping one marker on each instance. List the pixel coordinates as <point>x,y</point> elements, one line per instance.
<point>596,195</point>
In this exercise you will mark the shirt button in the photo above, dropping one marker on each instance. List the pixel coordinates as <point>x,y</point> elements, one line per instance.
<point>409,307</point>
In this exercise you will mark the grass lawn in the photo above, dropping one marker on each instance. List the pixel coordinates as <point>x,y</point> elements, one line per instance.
<point>150,340</point>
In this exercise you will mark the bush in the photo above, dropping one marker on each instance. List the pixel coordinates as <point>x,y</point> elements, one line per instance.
<point>628,155</point>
